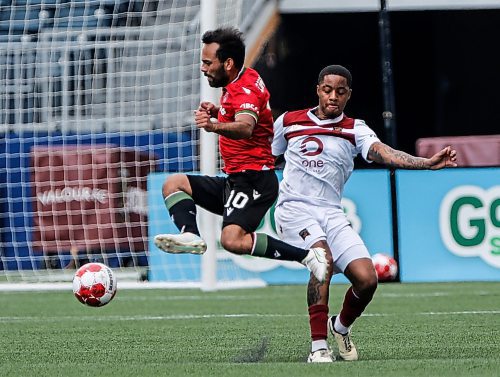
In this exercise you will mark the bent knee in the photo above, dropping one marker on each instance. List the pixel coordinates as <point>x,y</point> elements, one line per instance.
<point>367,285</point>
<point>232,245</point>
<point>176,182</point>
<point>235,240</point>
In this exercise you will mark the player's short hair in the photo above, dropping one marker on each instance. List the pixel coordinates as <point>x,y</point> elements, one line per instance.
<point>335,70</point>
<point>231,44</point>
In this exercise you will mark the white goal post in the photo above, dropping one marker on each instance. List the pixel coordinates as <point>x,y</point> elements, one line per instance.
<point>96,98</point>
<point>208,162</point>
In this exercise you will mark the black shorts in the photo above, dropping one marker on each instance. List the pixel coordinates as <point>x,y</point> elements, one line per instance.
<point>240,198</point>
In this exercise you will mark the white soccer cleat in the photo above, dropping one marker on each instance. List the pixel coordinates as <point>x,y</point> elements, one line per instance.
<point>316,262</point>
<point>321,356</point>
<point>347,350</point>
<point>181,243</point>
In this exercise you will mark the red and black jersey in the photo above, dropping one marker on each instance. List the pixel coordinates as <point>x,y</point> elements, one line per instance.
<point>247,94</point>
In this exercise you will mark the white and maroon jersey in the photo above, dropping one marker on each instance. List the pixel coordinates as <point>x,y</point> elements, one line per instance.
<point>319,155</point>
<point>247,94</point>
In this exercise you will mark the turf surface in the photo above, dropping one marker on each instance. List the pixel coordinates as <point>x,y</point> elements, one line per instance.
<point>408,330</point>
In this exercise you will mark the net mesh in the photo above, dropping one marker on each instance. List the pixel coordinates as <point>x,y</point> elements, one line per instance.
<point>95,95</point>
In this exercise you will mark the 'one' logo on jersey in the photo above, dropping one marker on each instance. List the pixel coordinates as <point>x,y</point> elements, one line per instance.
<point>311,146</point>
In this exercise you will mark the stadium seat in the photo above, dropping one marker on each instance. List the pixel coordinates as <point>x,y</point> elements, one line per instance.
<point>20,19</point>
<point>76,15</point>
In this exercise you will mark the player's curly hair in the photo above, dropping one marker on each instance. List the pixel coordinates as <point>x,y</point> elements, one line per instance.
<point>335,70</point>
<point>231,44</point>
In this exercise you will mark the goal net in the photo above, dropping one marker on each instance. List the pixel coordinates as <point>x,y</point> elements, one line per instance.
<point>96,98</point>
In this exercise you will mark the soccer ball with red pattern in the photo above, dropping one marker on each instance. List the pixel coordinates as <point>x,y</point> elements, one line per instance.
<point>94,284</point>
<point>386,267</point>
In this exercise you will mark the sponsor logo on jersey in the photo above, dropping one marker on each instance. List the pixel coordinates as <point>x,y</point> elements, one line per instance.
<point>260,84</point>
<point>311,146</point>
<point>304,233</point>
<point>249,106</point>
<point>277,254</point>
<point>256,195</point>
<point>229,210</point>
<point>222,111</point>
<point>247,91</point>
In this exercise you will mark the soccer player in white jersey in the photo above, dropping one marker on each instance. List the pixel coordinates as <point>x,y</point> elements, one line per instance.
<point>319,145</point>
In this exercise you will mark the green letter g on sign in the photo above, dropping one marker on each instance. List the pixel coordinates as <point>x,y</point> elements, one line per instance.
<point>470,222</point>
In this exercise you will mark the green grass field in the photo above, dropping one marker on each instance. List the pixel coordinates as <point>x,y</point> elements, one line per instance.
<point>408,330</point>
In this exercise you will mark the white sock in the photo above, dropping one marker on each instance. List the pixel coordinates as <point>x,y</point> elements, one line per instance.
<point>339,327</point>
<point>319,345</point>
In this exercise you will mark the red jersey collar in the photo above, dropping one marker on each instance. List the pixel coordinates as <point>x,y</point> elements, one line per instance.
<point>240,73</point>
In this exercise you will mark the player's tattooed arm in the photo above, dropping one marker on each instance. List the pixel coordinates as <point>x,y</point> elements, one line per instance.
<point>384,154</point>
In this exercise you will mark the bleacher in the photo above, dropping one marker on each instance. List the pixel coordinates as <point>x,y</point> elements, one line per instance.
<point>35,16</point>
<point>95,72</point>
<point>112,65</point>
<point>141,52</point>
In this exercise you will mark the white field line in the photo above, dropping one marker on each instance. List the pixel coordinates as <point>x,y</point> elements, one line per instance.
<point>64,286</point>
<point>184,317</point>
<point>166,295</point>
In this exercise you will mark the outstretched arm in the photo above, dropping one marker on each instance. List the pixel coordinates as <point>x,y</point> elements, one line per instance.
<point>384,154</point>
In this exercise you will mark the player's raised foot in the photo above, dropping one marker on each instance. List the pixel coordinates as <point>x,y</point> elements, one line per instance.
<point>347,350</point>
<point>181,243</point>
<point>317,263</point>
<point>321,356</point>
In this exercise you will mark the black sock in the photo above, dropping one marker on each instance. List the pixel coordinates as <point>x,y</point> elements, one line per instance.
<point>182,212</point>
<point>271,248</point>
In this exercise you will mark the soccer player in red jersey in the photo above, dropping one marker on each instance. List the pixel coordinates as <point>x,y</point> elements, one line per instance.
<point>250,187</point>
<point>319,145</point>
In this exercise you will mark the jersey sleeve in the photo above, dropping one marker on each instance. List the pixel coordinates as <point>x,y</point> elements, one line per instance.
<point>279,142</point>
<point>246,101</point>
<point>365,137</point>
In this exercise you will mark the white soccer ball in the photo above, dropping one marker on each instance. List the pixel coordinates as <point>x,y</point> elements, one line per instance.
<point>386,267</point>
<point>94,284</point>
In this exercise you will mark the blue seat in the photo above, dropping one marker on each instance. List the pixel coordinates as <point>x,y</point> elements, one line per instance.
<point>20,19</point>
<point>78,14</point>
<point>23,16</point>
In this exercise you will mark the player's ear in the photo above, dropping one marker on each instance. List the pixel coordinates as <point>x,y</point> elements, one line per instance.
<point>229,64</point>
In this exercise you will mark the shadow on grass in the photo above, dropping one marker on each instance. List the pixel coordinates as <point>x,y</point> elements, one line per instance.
<point>253,355</point>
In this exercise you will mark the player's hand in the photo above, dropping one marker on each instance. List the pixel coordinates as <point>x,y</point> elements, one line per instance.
<point>203,120</point>
<point>210,108</point>
<point>446,157</point>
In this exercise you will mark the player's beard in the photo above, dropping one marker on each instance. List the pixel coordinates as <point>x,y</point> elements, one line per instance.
<point>219,78</point>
